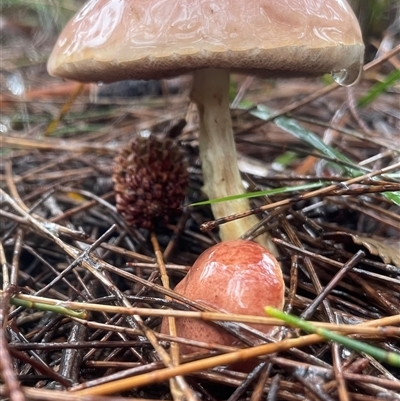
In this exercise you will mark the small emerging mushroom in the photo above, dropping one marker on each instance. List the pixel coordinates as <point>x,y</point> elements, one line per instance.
<point>233,276</point>
<point>146,39</point>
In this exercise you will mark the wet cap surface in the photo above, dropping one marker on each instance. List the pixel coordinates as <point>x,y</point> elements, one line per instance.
<point>111,40</point>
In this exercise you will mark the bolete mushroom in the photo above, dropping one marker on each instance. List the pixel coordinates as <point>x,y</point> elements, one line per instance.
<point>233,276</point>
<point>111,40</point>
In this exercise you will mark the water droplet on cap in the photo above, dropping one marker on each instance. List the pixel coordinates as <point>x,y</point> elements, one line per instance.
<point>100,83</point>
<point>347,77</point>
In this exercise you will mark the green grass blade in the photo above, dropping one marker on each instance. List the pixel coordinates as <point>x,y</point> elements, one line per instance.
<point>48,308</point>
<point>379,88</point>
<point>294,128</point>
<point>391,358</point>
<point>267,192</point>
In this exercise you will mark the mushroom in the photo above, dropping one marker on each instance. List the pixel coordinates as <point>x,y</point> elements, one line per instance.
<point>111,40</point>
<point>235,277</point>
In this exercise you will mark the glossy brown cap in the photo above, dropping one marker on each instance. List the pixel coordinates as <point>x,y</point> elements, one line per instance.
<point>111,40</point>
<point>233,276</point>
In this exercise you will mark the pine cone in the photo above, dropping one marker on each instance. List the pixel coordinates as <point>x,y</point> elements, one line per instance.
<point>150,180</point>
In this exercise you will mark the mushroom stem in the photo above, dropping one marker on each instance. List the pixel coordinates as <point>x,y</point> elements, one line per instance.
<point>210,93</point>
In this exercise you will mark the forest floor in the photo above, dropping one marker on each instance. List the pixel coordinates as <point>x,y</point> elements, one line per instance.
<point>82,297</point>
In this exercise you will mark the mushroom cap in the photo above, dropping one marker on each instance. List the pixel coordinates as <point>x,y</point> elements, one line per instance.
<point>112,40</point>
<point>233,276</point>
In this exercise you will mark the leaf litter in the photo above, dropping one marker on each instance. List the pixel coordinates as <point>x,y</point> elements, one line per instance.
<point>64,245</point>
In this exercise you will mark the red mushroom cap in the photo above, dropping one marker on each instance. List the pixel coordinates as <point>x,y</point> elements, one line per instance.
<point>235,277</point>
